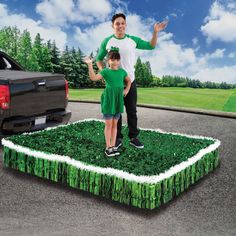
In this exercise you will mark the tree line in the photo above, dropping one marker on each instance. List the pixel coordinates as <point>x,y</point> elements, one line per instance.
<point>145,78</point>
<point>37,55</point>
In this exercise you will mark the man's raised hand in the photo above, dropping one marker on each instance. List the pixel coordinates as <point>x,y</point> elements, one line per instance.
<point>160,26</point>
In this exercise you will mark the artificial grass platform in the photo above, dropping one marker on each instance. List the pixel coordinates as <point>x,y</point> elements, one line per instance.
<point>74,154</point>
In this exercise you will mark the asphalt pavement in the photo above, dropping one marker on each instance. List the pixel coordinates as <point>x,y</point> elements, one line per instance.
<point>33,206</point>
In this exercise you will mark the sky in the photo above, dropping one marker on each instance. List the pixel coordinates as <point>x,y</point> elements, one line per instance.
<point>199,41</point>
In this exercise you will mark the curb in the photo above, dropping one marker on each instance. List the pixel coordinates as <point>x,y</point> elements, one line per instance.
<point>231,115</point>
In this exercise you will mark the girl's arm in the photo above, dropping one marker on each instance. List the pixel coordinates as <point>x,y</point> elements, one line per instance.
<point>128,85</point>
<point>92,75</point>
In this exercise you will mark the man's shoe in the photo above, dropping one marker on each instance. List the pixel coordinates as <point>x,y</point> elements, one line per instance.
<point>109,152</point>
<point>118,144</point>
<point>135,142</point>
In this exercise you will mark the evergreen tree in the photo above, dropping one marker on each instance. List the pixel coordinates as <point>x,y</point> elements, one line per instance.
<point>47,64</point>
<point>55,56</point>
<point>147,77</point>
<point>139,72</point>
<point>9,38</point>
<point>42,55</point>
<point>65,64</point>
<point>81,70</point>
<point>148,74</point>
<point>37,52</point>
<point>34,66</point>
<point>25,50</point>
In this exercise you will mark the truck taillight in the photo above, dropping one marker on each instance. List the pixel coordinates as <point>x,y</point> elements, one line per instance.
<point>67,90</point>
<point>4,97</point>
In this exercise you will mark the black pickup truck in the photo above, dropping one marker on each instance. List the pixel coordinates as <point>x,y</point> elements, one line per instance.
<point>30,100</point>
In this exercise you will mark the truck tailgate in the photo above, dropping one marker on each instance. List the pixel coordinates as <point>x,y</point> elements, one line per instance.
<point>35,93</point>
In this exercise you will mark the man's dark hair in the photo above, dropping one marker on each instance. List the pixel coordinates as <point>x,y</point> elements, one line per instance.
<point>114,55</point>
<point>118,15</point>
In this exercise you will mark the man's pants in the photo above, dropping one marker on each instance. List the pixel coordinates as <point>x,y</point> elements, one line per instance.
<point>130,102</point>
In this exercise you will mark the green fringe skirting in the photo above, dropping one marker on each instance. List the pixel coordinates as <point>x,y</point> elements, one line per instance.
<point>142,195</point>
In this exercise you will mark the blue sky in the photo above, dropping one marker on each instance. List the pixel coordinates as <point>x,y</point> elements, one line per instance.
<point>199,42</point>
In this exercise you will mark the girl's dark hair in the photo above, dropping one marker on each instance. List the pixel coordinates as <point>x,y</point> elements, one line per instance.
<point>114,55</point>
<point>118,15</point>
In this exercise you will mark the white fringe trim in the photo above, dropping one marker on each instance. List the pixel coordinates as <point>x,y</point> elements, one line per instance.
<point>114,172</point>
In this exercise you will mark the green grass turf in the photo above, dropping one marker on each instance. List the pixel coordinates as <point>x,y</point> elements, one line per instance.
<point>208,99</point>
<point>85,142</point>
<point>230,105</point>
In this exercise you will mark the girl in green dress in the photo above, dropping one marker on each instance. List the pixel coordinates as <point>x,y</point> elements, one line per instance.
<point>112,99</point>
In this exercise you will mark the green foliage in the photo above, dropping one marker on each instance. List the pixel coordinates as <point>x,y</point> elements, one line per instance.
<point>55,56</point>
<point>178,81</point>
<point>24,50</point>
<point>143,73</point>
<point>156,82</point>
<point>9,39</point>
<point>85,142</point>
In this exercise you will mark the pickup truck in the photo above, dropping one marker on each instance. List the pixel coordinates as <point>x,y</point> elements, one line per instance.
<point>30,100</point>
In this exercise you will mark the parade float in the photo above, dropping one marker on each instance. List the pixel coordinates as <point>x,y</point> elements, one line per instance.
<point>73,154</point>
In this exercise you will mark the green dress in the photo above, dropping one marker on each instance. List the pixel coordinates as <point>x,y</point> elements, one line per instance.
<point>112,99</point>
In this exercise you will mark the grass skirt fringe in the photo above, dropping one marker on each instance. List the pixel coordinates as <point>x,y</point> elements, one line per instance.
<point>142,195</point>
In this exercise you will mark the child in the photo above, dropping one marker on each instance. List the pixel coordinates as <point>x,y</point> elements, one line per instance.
<point>112,100</point>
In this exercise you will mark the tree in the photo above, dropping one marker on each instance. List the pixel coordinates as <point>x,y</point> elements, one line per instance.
<point>147,76</point>
<point>25,50</point>
<point>37,52</point>
<point>55,56</point>
<point>139,72</point>
<point>42,55</point>
<point>9,38</point>
<point>156,82</point>
<point>65,65</point>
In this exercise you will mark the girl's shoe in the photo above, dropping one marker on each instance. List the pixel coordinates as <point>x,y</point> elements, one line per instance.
<point>109,152</point>
<point>115,151</point>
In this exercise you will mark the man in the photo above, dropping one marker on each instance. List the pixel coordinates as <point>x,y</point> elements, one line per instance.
<point>127,45</point>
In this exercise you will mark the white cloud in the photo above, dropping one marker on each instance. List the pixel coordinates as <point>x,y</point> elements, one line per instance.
<point>195,41</point>
<point>63,12</point>
<point>174,15</point>
<point>3,10</point>
<point>232,55</point>
<point>90,39</point>
<point>55,12</point>
<point>170,58</point>
<point>34,27</point>
<point>219,53</point>
<point>139,27</point>
<point>120,6</point>
<point>220,24</point>
<point>231,5</point>
<point>220,74</point>
<point>99,10</point>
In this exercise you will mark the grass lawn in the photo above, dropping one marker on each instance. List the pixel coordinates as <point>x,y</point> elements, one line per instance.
<point>209,99</point>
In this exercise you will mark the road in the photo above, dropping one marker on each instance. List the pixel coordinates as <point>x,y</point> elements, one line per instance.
<point>33,206</point>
